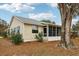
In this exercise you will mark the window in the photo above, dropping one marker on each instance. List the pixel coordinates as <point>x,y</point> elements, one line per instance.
<point>18,29</point>
<point>34,29</point>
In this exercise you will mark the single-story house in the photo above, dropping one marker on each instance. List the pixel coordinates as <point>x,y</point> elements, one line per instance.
<point>30,27</point>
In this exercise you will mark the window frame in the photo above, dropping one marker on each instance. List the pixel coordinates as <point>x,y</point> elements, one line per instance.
<point>34,30</point>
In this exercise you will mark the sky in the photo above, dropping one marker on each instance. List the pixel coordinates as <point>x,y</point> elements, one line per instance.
<point>37,11</point>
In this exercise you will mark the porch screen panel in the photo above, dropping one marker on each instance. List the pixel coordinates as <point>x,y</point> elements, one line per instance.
<point>54,31</point>
<point>50,31</point>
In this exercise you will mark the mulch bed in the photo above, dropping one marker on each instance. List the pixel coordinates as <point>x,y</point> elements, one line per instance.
<point>36,49</point>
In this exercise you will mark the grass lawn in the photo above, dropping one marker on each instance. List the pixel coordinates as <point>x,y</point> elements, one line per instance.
<point>36,48</point>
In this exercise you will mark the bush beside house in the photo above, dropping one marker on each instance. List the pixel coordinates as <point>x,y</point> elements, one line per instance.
<point>16,38</point>
<point>39,37</point>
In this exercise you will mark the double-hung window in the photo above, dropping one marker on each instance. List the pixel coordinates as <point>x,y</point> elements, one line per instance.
<point>34,29</point>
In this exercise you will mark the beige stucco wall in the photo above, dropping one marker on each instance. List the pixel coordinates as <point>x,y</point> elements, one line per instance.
<point>28,35</point>
<point>16,23</point>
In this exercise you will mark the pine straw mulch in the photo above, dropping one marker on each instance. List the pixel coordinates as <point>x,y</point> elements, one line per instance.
<point>36,49</point>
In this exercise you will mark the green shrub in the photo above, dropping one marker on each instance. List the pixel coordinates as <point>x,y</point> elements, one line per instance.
<point>17,39</point>
<point>3,34</point>
<point>39,37</point>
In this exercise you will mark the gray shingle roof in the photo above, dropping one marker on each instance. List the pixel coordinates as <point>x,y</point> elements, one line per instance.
<point>29,21</point>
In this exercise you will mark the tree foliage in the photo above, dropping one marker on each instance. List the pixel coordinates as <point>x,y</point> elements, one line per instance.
<point>48,21</point>
<point>75,28</point>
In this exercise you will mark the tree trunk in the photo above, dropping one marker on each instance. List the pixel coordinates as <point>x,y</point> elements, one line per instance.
<point>68,33</point>
<point>66,27</point>
<point>63,42</point>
